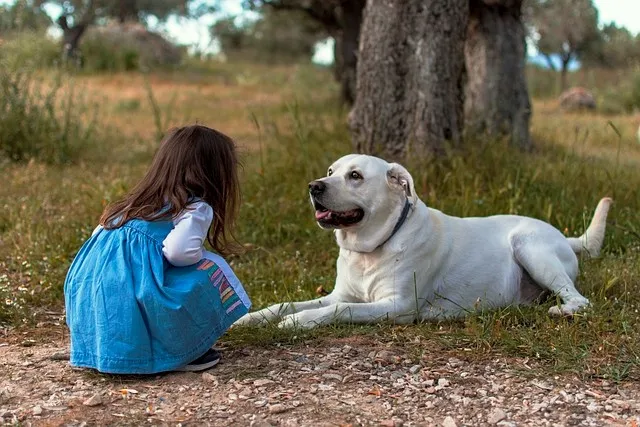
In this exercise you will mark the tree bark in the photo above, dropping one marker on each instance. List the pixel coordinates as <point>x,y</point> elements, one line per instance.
<point>410,77</point>
<point>550,63</point>
<point>126,11</point>
<point>563,72</point>
<point>347,40</point>
<point>71,37</point>
<point>497,99</point>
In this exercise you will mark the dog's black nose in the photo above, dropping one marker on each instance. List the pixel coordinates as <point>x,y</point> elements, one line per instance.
<point>316,188</point>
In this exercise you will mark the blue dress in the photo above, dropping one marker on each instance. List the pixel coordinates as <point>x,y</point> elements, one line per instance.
<point>131,312</point>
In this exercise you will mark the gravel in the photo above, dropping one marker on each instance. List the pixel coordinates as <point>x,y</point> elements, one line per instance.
<point>327,382</point>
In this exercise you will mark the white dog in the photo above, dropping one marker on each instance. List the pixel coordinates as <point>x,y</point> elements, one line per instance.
<point>402,261</point>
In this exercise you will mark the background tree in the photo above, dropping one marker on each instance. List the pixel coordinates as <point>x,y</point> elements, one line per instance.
<point>138,10</point>
<point>21,16</point>
<point>496,96</point>
<point>276,37</point>
<point>342,20</point>
<point>564,28</point>
<point>410,77</point>
<point>77,15</point>
<point>615,47</point>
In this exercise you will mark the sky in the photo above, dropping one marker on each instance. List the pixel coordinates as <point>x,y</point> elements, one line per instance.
<point>196,33</point>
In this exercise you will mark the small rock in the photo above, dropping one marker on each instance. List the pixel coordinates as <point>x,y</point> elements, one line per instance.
<point>384,355</point>
<point>592,407</point>
<point>496,416</point>
<point>37,410</point>
<point>507,424</point>
<point>262,382</point>
<point>323,366</point>
<point>290,422</point>
<point>454,362</point>
<point>414,369</point>
<point>332,377</point>
<point>392,423</point>
<point>278,408</point>
<point>443,382</point>
<point>449,422</point>
<point>210,379</point>
<point>577,98</point>
<point>94,400</point>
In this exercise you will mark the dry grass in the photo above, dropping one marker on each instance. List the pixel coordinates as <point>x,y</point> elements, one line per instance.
<point>588,134</point>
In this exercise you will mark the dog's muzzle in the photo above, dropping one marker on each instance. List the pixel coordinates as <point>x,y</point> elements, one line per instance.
<point>328,218</point>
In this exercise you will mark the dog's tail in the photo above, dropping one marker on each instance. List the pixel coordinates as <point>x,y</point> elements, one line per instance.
<point>592,239</point>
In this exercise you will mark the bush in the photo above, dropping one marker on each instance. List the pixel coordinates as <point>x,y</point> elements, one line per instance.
<point>624,98</point>
<point>101,55</point>
<point>126,47</point>
<point>29,49</point>
<point>37,122</point>
<point>542,83</point>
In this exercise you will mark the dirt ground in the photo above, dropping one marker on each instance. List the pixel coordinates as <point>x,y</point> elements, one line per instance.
<point>327,382</point>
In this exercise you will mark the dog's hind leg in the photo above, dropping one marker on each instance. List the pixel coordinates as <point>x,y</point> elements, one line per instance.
<point>554,268</point>
<point>277,311</point>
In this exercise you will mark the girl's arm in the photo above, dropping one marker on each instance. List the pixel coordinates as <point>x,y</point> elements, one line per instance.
<point>95,230</point>
<point>184,244</point>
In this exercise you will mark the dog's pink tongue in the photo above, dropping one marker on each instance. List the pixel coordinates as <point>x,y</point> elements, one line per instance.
<point>323,215</point>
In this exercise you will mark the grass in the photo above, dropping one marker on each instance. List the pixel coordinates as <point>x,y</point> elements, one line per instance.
<point>290,127</point>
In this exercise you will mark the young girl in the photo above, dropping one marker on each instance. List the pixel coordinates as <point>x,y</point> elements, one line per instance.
<point>142,295</point>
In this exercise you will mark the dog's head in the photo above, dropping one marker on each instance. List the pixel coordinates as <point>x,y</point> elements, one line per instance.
<point>363,196</point>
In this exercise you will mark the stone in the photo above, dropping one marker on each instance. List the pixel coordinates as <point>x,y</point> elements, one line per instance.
<point>577,98</point>
<point>278,408</point>
<point>496,416</point>
<point>449,422</point>
<point>94,400</point>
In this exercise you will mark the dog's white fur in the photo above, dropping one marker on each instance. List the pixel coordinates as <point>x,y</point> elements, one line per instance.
<point>436,266</point>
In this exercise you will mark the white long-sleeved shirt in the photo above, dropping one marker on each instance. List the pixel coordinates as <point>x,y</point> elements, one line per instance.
<point>184,245</point>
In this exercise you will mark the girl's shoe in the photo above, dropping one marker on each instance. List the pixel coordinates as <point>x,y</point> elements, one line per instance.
<point>206,361</point>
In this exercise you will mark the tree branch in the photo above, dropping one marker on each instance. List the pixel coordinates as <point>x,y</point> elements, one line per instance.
<point>324,11</point>
<point>550,63</point>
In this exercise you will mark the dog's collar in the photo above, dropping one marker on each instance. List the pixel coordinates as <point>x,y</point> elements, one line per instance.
<point>401,220</point>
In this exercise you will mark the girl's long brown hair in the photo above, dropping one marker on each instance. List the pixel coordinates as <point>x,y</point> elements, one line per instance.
<point>192,162</point>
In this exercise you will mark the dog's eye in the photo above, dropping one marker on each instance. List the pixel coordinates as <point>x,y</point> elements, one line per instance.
<point>330,172</point>
<point>355,175</point>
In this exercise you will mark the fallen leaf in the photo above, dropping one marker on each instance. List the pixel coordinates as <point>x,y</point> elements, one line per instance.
<point>375,391</point>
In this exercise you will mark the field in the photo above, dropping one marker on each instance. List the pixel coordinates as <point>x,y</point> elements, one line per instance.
<point>290,127</point>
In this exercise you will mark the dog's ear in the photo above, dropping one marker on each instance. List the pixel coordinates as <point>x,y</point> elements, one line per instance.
<point>399,177</point>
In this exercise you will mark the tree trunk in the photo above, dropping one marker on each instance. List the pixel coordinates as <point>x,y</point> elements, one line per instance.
<point>550,63</point>
<point>126,11</point>
<point>563,72</point>
<point>410,77</point>
<point>497,99</point>
<point>71,37</point>
<point>345,52</point>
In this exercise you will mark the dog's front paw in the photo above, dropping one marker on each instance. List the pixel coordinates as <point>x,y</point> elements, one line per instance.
<point>256,318</point>
<point>571,308</point>
<point>246,320</point>
<point>262,317</point>
<point>297,320</point>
